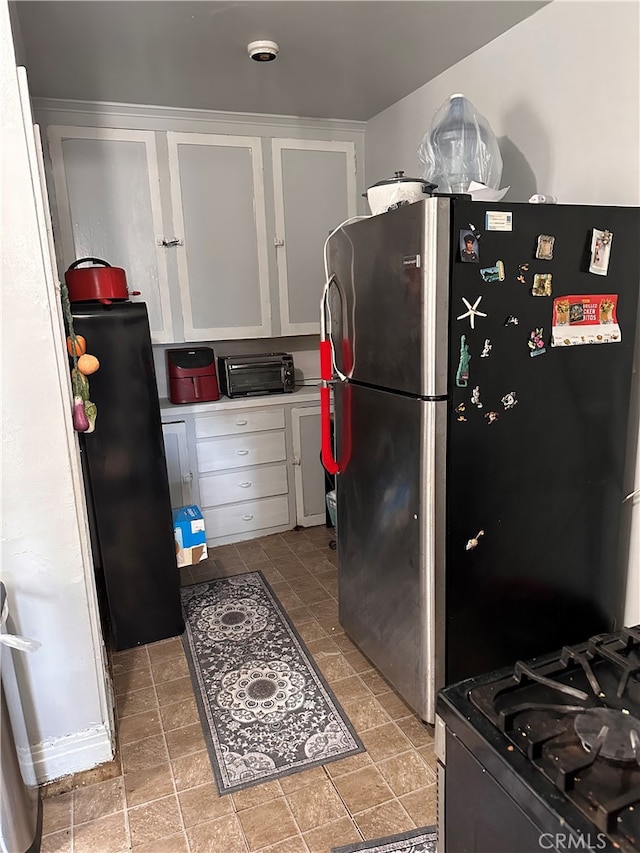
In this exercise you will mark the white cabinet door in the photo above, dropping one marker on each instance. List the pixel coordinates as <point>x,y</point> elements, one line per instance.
<point>309,473</point>
<point>217,199</point>
<point>108,200</point>
<point>314,191</point>
<point>178,468</point>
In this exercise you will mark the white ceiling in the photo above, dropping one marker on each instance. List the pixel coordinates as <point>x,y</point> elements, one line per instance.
<point>338,59</point>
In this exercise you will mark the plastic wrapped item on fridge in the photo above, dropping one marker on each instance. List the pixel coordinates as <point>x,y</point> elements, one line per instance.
<point>460,148</point>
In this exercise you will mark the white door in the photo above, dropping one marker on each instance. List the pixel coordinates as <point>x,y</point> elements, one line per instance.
<point>309,473</point>
<point>108,200</point>
<point>314,192</point>
<point>217,199</point>
<point>178,468</point>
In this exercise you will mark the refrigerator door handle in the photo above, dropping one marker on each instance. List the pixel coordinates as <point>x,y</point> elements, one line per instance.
<point>326,331</point>
<point>328,459</point>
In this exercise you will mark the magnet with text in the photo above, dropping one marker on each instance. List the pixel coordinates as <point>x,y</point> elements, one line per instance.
<point>536,343</point>
<point>585,319</point>
<point>462,373</point>
<point>511,321</point>
<point>490,274</point>
<point>473,542</point>
<point>509,400</point>
<point>600,251</point>
<point>544,249</point>
<point>498,220</point>
<point>486,348</point>
<point>542,284</point>
<point>475,397</point>
<point>472,311</point>
<point>469,251</point>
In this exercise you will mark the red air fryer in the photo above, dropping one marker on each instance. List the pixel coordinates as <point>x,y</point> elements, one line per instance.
<point>192,375</point>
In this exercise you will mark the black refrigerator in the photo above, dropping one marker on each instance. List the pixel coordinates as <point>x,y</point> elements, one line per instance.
<point>126,479</point>
<point>483,357</point>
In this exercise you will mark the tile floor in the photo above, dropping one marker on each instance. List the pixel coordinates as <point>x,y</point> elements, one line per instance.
<point>159,795</point>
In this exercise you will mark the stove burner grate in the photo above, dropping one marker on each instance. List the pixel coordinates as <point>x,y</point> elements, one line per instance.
<point>609,733</point>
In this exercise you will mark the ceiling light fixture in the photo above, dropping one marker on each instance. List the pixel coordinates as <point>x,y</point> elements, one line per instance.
<point>263,50</point>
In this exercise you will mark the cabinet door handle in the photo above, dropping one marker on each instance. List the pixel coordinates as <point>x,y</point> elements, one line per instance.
<point>247,517</point>
<point>244,485</point>
<point>241,423</point>
<point>243,452</point>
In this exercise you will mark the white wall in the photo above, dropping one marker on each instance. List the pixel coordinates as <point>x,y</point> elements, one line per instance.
<point>561,91</point>
<point>46,563</point>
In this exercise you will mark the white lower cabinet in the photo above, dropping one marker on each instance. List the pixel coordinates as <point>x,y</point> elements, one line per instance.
<point>257,470</point>
<point>247,517</point>
<point>309,473</point>
<point>178,467</point>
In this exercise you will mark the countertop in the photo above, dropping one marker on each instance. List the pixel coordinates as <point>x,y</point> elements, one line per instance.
<point>302,394</point>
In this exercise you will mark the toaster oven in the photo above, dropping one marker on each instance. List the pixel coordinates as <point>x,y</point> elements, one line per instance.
<point>266,373</point>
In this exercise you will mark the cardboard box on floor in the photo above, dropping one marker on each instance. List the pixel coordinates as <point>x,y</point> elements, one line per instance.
<point>190,536</point>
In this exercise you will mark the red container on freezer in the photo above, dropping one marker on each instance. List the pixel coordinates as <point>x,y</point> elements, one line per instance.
<point>102,283</point>
<point>192,375</point>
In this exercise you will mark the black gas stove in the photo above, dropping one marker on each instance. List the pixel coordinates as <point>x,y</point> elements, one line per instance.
<point>544,755</point>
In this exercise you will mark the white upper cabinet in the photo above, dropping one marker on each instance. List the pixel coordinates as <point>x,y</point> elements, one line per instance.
<point>218,207</point>
<point>314,192</point>
<point>222,233</point>
<point>108,201</point>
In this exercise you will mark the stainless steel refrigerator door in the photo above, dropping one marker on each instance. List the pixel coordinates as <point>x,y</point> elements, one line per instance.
<point>390,532</point>
<point>389,303</point>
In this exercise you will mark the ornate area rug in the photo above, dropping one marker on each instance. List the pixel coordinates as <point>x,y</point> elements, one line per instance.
<point>416,841</point>
<point>266,710</point>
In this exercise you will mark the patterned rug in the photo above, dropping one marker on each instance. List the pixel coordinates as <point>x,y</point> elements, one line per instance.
<point>417,841</point>
<point>265,708</point>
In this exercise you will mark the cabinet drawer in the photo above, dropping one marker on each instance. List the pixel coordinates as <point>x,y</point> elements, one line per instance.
<point>245,485</point>
<point>233,423</point>
<point>240,451</point>
<point>252,515</point>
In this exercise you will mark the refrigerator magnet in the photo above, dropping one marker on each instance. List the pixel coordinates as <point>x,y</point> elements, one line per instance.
<point>473,542</point>
<point>511,321</point>
<point>462,373</point>
<point>544,249</point>
<point>522,269</point>
<point>472,311</point>
<point>495,273</point>
<point>542,284</point>
<point>536,343</point>
<point>585,319</point>
<point>509,400</point>
<point>486,348</point>
<point>475,397</point>
<point>469,252</point>
<point>491,417</point>
<point>600,251</point>
<point>498,220</point>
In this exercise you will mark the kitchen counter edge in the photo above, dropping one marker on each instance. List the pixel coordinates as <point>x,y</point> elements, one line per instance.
<point>302,394</point>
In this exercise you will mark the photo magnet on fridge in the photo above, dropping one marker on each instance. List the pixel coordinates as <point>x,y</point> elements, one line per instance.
<point>542,284</point>
<point>469,247</point>
<point>600,251</point>
<point>544,249</point>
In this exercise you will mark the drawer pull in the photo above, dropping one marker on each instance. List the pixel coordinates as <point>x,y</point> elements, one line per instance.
<point>243,452</point>
<point>245,485</point>
<point>241,423</point>
<point>247,517</point>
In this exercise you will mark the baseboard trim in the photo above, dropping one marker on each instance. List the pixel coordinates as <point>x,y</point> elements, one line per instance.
<point>54,759</point>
